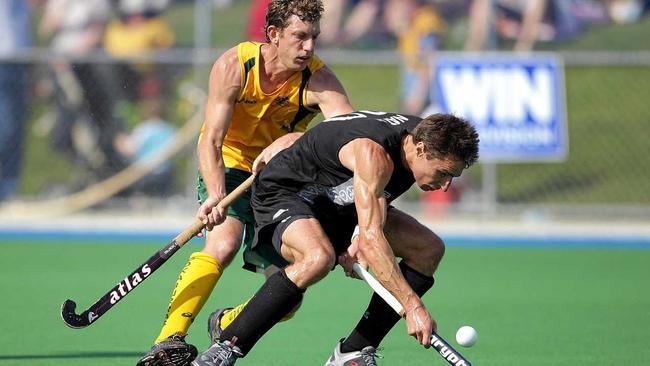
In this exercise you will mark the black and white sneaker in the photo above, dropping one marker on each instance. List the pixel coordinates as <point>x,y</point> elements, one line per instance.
<point>214,324</point>
<point>365,357</point>
<point>219,354</point>
<point>173,351</point>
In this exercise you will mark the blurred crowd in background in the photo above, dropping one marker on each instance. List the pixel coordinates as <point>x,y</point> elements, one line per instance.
<point>87,95</point>
<point>86,128</point>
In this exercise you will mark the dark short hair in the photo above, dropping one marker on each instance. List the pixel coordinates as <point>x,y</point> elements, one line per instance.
<point>447,135</point>
<point>279,12</point>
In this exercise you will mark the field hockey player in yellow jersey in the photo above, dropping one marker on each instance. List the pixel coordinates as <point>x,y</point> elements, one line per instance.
<point>258,93</point>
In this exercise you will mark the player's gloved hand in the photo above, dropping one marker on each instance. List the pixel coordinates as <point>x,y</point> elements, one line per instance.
<point>210,213</point>
<point>419,324</point>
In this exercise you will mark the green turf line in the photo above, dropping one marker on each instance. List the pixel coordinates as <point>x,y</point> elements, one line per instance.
<point>530,307</point>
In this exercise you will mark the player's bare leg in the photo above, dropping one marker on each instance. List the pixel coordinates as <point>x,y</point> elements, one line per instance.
<point>417,245</point>
<point>307,247</point>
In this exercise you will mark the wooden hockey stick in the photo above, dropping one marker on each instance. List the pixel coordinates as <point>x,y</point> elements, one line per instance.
<point>144,271</point>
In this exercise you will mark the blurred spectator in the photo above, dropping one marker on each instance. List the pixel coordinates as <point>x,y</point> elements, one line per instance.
<point>625,11</point>
<point>76,28</point>
<point>529,21</point>
<point>345,22</point>
<point>488,18</point>
<point>144,143</point>
<point>137,31</point>
<point>256,21</point>
<point>419,29</point>
<point>15,28</point>
<point>525,21</point>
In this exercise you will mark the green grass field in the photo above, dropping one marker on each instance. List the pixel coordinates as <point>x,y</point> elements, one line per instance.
<point>530,307</point>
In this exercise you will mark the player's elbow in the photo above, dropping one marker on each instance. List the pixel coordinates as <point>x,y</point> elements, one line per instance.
<point>208,147</point>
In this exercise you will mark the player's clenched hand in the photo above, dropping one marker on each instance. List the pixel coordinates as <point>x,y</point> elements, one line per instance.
<point>210,213</point>
<point>262,159</point>
<point>347,262</point>
<point>419,324</point>
<point>350,257</point>
<point>276,146</point>
<point>266,155</point>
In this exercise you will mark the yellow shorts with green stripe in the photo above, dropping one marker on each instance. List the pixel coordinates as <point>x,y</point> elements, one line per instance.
<point>240,210</point>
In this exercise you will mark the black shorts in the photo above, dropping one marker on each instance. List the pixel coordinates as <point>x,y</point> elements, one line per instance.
<point>275,211</point>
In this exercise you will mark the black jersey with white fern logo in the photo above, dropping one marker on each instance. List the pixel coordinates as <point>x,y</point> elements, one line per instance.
<point>311,167</point>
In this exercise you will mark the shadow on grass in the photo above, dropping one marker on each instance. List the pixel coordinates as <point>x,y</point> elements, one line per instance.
<point>71,356</point>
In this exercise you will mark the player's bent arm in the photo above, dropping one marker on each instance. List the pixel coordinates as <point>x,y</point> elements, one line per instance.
<point>327,93</point>
<point>223,88</point>
<point>371,175</point>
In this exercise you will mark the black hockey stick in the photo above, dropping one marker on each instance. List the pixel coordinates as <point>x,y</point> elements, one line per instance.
<point>437,342</point>
<point>144,271</point>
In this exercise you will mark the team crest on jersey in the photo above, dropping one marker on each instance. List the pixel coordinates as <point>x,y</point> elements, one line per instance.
<point>282,101</point>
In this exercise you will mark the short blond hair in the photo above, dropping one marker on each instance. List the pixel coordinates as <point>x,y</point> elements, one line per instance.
<point>279,12</point>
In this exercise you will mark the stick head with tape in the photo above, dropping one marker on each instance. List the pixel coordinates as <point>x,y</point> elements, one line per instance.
<point>71,318</point>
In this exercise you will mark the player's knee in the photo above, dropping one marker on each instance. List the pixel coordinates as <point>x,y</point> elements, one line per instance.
<point>224,250</point>
<point>437,248</point>
<point>427,254</point>
<point>319,261</point>
<point>433,254</point>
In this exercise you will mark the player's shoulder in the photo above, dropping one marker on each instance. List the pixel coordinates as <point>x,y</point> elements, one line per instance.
<point>227,66</point>
<point>239,54</point>
<point>230,56</point>
<point>323,79</point>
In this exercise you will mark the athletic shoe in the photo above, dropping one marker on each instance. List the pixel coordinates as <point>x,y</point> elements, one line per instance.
<point>365,357</point>
<point>219,354</point>
<point>172,351</point>
<point>214,324</point>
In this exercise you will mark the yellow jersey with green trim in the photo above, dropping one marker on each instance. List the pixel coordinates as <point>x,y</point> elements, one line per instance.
<point>259,118</point>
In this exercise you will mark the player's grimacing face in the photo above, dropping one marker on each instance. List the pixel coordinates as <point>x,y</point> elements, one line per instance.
<point>436,173</point>
<point>297,42</point>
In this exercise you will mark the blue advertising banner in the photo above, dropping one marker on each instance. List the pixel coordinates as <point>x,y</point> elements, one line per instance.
<point>517,103</point>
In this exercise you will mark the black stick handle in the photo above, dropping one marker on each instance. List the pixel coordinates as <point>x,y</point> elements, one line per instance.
<point>437,342</point>
<point>447,352</point>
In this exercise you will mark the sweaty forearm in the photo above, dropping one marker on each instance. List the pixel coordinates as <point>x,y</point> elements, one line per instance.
<point>213,171</point>
<point>381,261</point>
